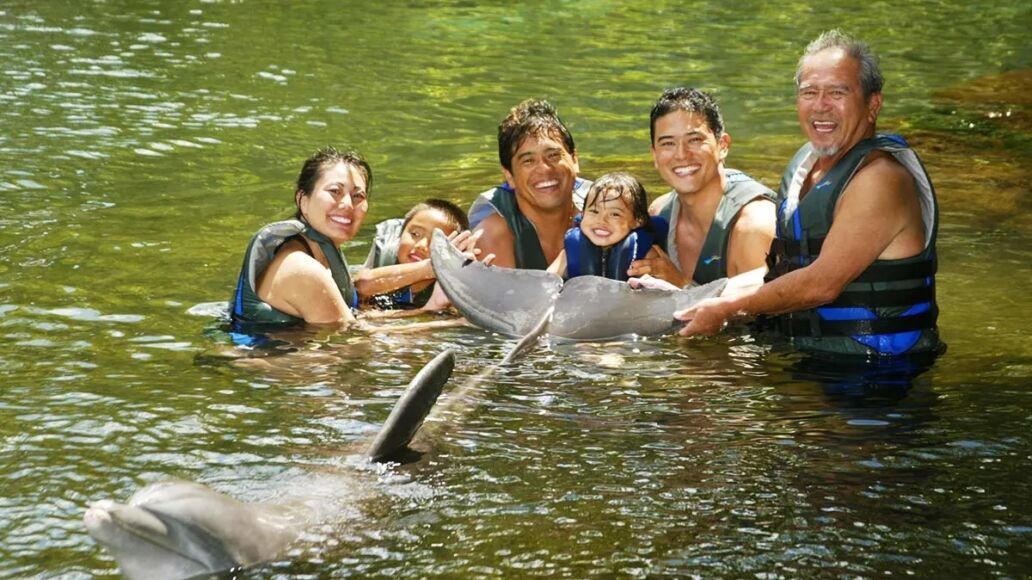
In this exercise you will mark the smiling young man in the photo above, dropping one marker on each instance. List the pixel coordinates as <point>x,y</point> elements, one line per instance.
<point>523,221</point>
<point>721,220</point>
<point>857,219</point>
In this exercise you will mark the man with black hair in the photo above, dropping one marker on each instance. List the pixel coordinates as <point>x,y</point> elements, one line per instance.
<point>523,221</point>
<point>721,220</point>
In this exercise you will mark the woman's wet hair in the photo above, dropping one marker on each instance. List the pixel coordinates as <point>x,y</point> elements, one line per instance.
<point>532,117</point>
<point>617,185</point>
<point>319,163</point>
<point>453,214</point>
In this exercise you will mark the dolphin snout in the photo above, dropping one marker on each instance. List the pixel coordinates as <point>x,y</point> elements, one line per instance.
<point>98,514</point>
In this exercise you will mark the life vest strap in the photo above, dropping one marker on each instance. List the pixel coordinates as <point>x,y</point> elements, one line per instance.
<point>869,298</point>
<point>898,272</point>
<point>802,324</point>
<point>785,253</point>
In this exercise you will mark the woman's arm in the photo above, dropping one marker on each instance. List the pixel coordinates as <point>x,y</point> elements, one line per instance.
<point>297,284</point>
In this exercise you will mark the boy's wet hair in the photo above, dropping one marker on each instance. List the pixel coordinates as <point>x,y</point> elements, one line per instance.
<point>532,117</point>
<point>617,185</point>
<point>454,215</point>
<point>688,100</point>
<point>322,160</point>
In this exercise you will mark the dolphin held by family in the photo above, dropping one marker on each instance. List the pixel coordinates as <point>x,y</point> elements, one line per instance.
<point>530,303</point>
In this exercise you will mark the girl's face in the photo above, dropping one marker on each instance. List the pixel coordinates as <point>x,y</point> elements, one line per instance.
<point>415,238</point>
<point>337,204</point>
<point>607,219</point>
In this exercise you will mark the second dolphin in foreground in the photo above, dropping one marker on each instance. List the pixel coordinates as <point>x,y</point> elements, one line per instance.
<point>516,302</point>
<point>179,529</point>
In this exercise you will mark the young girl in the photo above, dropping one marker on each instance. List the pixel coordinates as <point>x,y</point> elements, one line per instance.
<point>397,273</point>
<point>613,230</point>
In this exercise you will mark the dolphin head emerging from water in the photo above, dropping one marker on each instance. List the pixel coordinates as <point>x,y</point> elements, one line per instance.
<point>518,302</point>
<point>179,529</point>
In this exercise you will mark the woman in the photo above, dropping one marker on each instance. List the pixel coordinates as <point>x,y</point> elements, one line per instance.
<point>293,270</point>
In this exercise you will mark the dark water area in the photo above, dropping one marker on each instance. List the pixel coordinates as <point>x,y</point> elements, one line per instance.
<point>143,142</point>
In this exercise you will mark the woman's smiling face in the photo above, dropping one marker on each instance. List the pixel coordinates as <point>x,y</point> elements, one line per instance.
<point>338,203</point>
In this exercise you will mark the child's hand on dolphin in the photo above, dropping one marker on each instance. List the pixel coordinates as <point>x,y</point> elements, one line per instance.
<point>652,282</point>
<point>466,242</point>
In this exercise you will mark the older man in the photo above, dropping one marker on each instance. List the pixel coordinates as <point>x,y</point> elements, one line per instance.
<point>523,221</point>
<point>854,263</point>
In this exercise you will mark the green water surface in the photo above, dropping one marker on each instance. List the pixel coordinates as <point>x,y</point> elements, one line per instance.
<point>143,142</point>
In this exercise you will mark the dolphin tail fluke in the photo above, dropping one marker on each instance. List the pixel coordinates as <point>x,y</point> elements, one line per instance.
<point>413,406</point>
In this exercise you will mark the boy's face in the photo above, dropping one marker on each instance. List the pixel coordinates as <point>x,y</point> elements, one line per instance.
<point>414,245</point>
<point>607,219</point>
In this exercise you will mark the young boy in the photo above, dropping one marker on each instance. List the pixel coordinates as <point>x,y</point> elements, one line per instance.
<point>397,273</point>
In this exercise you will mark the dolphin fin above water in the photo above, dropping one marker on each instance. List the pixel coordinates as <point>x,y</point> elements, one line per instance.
<point>513,302</point>
<point>180,529</point>
<point>412,408</point>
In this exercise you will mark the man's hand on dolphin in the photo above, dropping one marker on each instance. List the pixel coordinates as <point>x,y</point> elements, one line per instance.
<point>658,265</point>
<point>706,318</point>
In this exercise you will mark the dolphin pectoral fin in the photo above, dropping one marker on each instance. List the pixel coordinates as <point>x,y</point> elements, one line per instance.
<point>503,300</point>
<point>413,406</point>
<point>530,340</point>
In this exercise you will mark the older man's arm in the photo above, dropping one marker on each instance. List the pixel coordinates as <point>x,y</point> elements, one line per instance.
<point>876,208</point>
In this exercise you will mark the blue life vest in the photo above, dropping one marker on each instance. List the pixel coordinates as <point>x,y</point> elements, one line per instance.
<point>890,309</point>
<point>584,258</point>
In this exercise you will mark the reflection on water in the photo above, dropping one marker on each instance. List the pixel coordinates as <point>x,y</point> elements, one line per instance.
<point>143,143</point>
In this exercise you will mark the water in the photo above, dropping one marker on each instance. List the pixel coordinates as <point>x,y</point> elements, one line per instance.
<point>142,143</point>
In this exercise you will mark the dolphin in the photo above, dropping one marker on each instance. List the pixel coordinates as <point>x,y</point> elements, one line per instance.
<point>517,302</point>
<point>180,529</point>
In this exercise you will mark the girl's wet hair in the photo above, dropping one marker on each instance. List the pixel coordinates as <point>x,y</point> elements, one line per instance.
<point>322,160</point>
<point>617,185</point>
<point>456,218</point>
